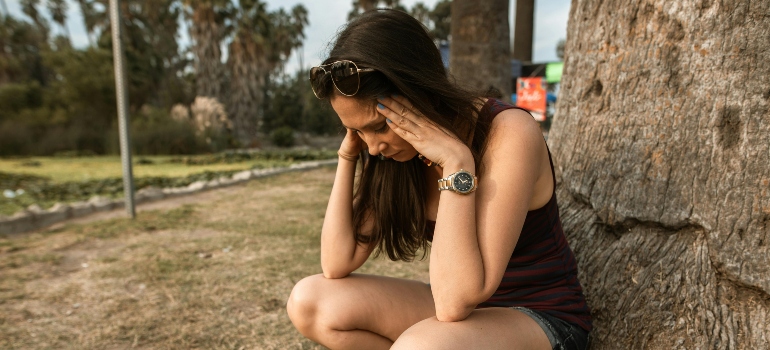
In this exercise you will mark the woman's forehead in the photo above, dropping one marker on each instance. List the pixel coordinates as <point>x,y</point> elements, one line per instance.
<point>355,113</point>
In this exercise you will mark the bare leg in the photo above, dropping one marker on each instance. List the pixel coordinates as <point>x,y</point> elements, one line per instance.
<point>358,311</point>
<point>493,328</point>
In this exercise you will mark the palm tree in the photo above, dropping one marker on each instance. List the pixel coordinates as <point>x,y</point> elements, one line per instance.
<point>441,18</point>
<point>58,10</point>
<point>524,28</point>
<point>361,6</point>
<point>89,18</point>
<point>422,13</point>
<point>261,44</point>
<point>300,20</point>
<point>248,61</point>
<point>480,48</point>
<point>664,172</point>
<point>207,29</point>
<point>29,7</point>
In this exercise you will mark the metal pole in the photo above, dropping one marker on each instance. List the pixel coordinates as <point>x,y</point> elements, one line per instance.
<point>122,97</point>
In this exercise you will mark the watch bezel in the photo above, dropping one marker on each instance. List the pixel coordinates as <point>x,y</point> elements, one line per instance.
<point>448,183</point>
<point>455,177</point>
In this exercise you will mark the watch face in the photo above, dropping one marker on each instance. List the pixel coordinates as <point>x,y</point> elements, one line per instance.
<point>463,182</point>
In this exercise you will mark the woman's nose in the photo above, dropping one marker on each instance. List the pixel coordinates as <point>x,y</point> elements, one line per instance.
<point>375,146</point>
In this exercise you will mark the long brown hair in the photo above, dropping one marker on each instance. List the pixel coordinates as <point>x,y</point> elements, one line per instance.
<point>407,62</point>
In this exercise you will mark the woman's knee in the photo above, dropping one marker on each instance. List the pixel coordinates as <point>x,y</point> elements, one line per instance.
<point>416,337</point>
<point>302,306</point>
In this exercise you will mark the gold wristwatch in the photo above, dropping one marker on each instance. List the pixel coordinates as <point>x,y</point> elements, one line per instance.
<point>462,182</point>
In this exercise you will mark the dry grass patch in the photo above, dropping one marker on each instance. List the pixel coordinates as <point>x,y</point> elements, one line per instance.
<point>212,275</point>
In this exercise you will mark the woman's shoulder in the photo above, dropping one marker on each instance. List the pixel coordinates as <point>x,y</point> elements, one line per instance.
<point>515,123</point>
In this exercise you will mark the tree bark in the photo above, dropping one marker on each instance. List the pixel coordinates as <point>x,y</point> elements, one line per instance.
<point>248,65</point>
<point>662,146</point>
<point>480,47</point>
<point>206,33</point>
<point>524,29</point>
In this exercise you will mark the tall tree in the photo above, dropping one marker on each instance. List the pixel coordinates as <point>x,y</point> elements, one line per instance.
<point>300,21</point>
<point>29,7</point>
<point>152,52</point>
<point>524,29</point>
<point>207,23</point>
<point>480,50</point>
<point>21,47</point>
<point>441,18</point>
<point>262,42</point>
<point>90,18</point>
<point>58,11</point>
<point>662,150</point>
<point>421,13</point>
<point>248,63</point>
<point>361,6</point>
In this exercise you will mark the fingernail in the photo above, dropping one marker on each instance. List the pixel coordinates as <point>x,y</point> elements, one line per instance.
<point>388,120</point>
<point>380,106</point>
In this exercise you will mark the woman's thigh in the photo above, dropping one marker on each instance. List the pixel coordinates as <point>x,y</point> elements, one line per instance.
<point>492,328</point>
<point>383,305</point>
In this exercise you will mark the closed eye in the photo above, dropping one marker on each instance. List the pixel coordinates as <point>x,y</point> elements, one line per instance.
<point>382,130</point>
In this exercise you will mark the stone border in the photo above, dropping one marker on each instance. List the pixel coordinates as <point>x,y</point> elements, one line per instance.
<point>34,218</point>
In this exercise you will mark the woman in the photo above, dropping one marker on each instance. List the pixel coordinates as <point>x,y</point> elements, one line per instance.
<point>471,175</point>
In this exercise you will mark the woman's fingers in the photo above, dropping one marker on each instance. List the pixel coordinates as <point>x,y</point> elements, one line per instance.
<point>403,101</point>
<point>405,128</point>
<point>403,109</point>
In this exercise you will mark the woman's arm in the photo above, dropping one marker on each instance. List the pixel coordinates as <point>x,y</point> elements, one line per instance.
<point>340,253</point>
<point>475,234</point>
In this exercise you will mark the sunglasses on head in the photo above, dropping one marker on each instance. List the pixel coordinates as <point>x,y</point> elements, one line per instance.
<point>345,76</point>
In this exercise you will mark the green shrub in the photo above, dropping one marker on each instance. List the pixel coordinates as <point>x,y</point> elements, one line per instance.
<point>282,137</point>
<point>169,137</point>
<point>15,97</point>
<point>15,139</point>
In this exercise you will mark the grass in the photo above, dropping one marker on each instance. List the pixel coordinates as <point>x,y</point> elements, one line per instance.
<point>60,169</point>
<point>213,275</point>
<point>46,181</point>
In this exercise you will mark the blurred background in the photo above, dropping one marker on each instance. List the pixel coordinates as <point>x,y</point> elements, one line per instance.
<point>204,76</point>
<point>214,87</point>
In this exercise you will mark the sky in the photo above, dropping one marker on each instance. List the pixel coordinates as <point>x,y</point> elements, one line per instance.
<point>327,16</point>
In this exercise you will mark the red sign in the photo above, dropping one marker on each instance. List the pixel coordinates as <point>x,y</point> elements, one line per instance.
<point>531,95</point>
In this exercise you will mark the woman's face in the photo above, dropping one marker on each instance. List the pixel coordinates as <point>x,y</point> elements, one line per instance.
<point>362,117</point>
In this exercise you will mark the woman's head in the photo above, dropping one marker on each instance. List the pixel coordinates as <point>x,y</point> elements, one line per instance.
<point>362,117</point>
<point>399,50</point>
<point>385,52</point>
<point>394,54</point>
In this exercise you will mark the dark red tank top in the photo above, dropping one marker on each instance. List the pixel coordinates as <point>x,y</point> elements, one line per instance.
<point>542,271</point>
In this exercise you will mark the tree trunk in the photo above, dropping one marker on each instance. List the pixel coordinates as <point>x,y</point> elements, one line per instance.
<point>524,29</point>
<point>248,70</point>
<point>662,145</point>
<point>206,36</point>
<point>480,47</point>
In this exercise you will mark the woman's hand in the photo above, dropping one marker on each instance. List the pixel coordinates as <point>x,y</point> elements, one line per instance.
<point>429,139</point>
<point>351,146</point>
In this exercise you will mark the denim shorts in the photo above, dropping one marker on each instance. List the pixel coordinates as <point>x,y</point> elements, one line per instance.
<point>562,334</point>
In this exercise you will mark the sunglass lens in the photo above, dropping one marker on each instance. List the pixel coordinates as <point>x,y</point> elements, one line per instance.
<point>345,75</point>
<point>317,81</point>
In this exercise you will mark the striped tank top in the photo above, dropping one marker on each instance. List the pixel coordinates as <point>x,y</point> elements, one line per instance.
<point>542,271</point>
